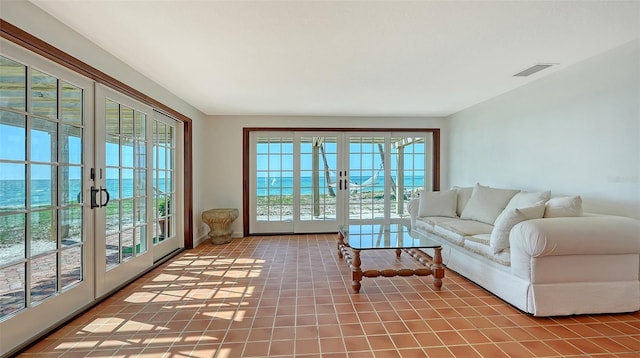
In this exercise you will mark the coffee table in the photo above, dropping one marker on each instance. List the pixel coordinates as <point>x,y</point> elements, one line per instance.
<point>352,239</point>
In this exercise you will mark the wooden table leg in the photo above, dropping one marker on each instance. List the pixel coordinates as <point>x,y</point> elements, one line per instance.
<point>356,272</point>
<point>398,252</point>
<point>340,244</point>
<point>437,268</point>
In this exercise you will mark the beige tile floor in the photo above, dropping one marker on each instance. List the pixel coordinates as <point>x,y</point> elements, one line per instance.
<point>285,296</point>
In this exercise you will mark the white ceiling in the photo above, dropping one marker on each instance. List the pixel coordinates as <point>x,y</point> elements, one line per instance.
<point>364,58</point>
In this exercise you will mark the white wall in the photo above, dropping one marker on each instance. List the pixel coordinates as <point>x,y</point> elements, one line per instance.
<point>575,132</point>
<point>33,20</point>
<point>223,148</point>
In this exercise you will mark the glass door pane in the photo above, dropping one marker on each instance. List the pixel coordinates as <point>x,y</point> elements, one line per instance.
<point>166,238</point>
<point>316,184</point>
<point>367,200</point>
<point>410,158</point>
<point>272,183</point>
<point>125,216</point>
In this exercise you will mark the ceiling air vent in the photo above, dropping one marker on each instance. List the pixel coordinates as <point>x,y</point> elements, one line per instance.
<point>533,69</point>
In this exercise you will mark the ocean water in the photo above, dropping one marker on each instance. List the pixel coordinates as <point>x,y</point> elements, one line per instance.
<point>12,192</point>
<point>284,185</point>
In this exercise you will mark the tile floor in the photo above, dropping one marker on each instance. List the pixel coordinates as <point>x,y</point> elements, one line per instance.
<point>285,296</point>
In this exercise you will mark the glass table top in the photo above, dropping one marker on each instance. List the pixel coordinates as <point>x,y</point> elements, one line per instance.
<point>383,236</point>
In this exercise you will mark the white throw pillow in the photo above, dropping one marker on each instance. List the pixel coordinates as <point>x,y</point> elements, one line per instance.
<point>486,203</point>
<point>563,206</point>
<point>507,220</point>
<point>438,203</point>
<point>463,197</point>
<point>525,200</point>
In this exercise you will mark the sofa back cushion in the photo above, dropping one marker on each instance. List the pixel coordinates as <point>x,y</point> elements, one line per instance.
<point>485,203</point>
<point>438,203</point>
<point>525,199</point>
<point>564,206</point>
<point>463,197</point>
<point>507,220</point>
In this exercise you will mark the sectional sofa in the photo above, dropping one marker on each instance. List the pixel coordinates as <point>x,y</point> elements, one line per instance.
<point>543,255</point>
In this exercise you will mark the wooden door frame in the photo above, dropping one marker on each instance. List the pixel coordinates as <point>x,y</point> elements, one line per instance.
<point>246,152</point>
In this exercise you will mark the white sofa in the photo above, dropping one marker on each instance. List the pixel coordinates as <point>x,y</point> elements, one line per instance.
<point>542,255</point>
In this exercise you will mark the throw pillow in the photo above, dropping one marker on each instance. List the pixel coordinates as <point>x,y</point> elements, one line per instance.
<point>463,197</point>
<point>499,239</point>
<point>485,204</point>
<point>524,199</point>
<point>437,203</point>
<point>563,206</point>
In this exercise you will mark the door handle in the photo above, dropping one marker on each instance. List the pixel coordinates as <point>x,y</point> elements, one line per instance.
<point>106,192</point>
<point>94,199</point>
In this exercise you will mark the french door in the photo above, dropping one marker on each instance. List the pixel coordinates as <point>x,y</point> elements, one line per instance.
<point>313,181</point>
<point>88,192</point>
<point>120,195</point>
<point>46,230</point>
<point>134,189</point>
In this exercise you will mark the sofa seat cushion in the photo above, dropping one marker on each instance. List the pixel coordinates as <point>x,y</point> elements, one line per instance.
<point>432,221</point>
<point>457,230</point>
<point>481,238</point>
<point>483,249</point>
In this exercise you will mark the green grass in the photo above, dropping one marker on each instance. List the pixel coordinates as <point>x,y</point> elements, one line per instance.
<point>13,225</point>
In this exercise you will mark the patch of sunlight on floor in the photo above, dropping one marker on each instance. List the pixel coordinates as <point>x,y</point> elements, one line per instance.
<point>209,339</point>
<point>78,344</point>
<point>187,306</point>
<point>232,292</point>
<point>140,297</point>
<point>229,315</point>
<point>194,338</point>
<point>219,273</point>
<point>113,343</point>
<point>105,320</point>
<point>171,295</point>
<point>249,261</point>
<point>134,326</point>
<point>224,353</point>
<point>213,284</point>
<point>167,277</point>
<point>200,293</point>
<point>158,340</point>
<point>240,274</point>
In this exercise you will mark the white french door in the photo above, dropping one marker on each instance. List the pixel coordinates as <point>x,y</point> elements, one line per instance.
<point>120,194</point>
<point>46,226</point>
<point>318,196</point>
<point>384,171</point>
<point>314,181</point>
<point>166,184</point>
<point>134,192</point>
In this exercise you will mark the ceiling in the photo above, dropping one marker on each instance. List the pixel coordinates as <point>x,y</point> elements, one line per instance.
<point>355,58</point>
